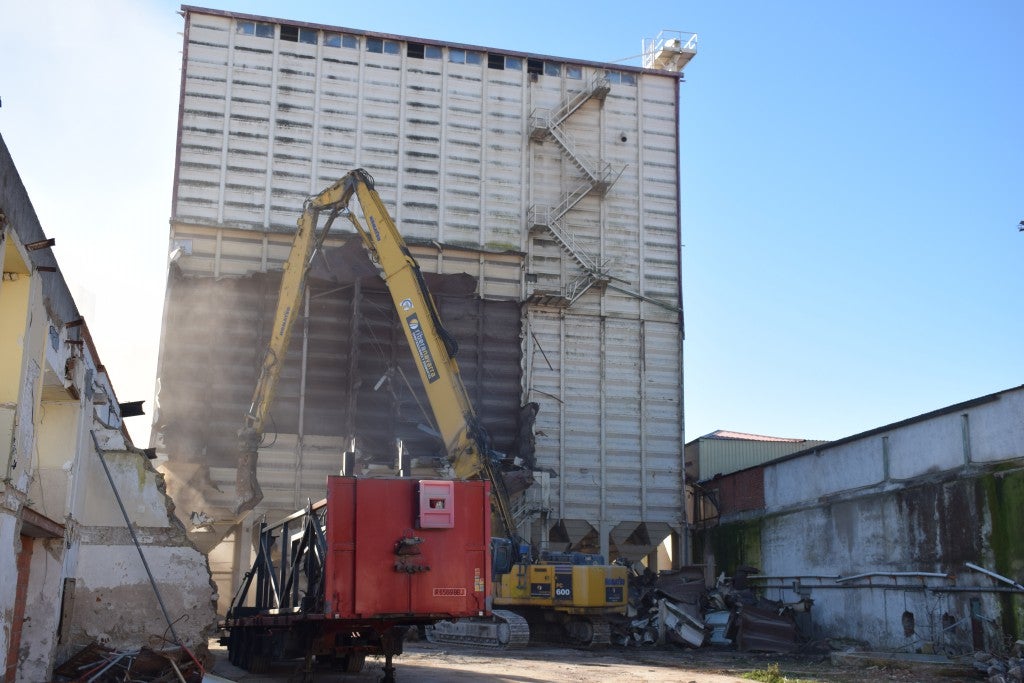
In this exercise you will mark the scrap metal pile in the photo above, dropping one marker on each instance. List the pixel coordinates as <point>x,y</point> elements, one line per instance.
<point>675,607</point>
<point>99,664</point>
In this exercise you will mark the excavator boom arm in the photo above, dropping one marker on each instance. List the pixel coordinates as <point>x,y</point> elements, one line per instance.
<point>432,347</point>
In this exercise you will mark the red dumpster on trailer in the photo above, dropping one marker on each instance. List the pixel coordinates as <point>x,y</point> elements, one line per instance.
<point>345,577</point>
<point>386,556</point>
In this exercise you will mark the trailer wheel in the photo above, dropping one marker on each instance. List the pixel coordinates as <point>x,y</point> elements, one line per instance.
<point>241,635</point>
<point>233,646</point>
<point>259,658</point>
<point>353,662</point>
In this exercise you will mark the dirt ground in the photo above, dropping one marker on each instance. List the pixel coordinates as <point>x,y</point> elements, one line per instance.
<point>424,662</point>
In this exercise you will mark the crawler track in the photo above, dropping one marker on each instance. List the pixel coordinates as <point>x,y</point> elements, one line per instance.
<point>504,629</point>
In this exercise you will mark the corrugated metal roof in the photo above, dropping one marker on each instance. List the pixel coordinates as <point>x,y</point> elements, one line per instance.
<point>722,452</point>
<point>723,434</point>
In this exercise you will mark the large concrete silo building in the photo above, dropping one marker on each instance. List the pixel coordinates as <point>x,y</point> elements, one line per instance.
<point>542,194</point>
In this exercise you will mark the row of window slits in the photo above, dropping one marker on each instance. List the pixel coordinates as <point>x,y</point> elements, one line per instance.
<point>298,34</point>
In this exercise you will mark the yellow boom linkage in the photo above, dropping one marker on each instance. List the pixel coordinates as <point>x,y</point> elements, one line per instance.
<point>433,349</point>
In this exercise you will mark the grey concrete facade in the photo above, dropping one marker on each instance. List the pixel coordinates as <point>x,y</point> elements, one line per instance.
<point>900,535</point>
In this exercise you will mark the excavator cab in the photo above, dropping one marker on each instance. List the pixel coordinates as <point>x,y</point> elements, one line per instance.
<point>503,556</point>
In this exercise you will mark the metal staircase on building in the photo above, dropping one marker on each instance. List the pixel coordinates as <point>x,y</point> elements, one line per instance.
<point>598,177</point>
<point>542,120</point>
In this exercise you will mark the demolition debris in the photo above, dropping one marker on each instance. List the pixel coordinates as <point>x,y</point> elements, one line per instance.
<point>674,607</point>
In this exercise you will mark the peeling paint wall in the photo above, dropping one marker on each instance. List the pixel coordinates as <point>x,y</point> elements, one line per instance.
<point>879,527</point>
<point>80,575</point>
<point>9,547</point>
<point>39,637</point>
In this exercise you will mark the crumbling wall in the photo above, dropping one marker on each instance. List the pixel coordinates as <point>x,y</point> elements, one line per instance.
<point>113,601</point>
<point>66,555</point>
<point>39,635</point>
<point>8,575</point>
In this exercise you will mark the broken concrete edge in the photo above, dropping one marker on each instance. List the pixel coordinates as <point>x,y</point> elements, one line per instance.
<point>164,543</point>
<point>178,531</point>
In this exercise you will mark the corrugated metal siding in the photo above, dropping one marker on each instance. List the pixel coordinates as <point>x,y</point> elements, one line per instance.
<point>722,456</point>
<point>609,416</point>
<point>267,122</point>
<point>269,118</point>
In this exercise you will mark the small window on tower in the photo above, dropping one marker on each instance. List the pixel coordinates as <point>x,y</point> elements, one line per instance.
<point>382,46</point>
<point>415,50</point>
<point>340,40</point>
<point>552,69</point>
<point>290,33</point>
<point>254,28</point>
<point>534,66</point>
<point>495,61</point>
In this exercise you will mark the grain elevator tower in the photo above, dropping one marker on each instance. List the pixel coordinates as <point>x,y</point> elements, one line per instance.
<point>542,195</point>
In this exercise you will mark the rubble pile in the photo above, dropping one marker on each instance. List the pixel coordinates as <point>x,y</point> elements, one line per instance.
<point>1002,669</point>
<point>675,607</point>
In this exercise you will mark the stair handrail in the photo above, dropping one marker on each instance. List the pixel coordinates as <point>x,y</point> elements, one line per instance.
<point>568,241</point>
<point>599,81</point>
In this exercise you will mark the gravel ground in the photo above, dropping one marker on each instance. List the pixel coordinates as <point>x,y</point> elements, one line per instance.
<point>425,662</point>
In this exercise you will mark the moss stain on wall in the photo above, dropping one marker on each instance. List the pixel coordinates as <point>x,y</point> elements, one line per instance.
<point>736,544</point>
<point>1004,491</point>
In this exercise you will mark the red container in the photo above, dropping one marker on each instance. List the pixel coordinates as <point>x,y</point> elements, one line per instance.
<point>382,564</point>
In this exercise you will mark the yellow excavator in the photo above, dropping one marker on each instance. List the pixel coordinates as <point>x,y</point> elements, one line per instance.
<point>573,593</point>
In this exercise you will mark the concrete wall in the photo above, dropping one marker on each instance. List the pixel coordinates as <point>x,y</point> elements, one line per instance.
<point>909,505</point>
<point>69,571</point>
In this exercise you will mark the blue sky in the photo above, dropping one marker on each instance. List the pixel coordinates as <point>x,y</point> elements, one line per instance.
<point>852,177</point>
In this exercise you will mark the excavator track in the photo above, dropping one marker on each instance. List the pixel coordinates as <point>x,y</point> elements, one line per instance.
<point>586,632</point>
<point>504,629</point>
